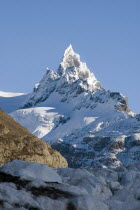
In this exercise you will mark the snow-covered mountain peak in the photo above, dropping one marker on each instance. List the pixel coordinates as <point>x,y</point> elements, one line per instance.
<point>71,79</point>
<point>73,69</point>
<point>69,50</point>
<point>70,59</point>
<point>89,125</point>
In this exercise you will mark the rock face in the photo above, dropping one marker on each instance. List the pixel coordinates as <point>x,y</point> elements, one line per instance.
<point>16,142</point>
<point>89,125</point>
<point>67,188</point>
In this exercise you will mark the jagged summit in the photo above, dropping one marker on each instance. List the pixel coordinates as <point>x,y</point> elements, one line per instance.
<point>74,69</point>
<point>70,59</point>
<point>71,79</point>
<point>71,63</point>
<point>69,50</point>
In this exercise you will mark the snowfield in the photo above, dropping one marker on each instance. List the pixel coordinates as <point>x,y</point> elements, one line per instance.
<point>9,94</point>
<point>10,102</point>
<point>40,120</point>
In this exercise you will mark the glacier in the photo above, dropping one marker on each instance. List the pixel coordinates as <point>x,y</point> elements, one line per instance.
<point>29,185</point>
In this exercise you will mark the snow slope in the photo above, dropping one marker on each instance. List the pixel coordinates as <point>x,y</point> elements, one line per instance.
<point>10,102</point>
<point>89,125</point>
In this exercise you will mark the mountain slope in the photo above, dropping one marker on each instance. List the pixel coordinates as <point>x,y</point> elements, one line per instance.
<point>73,112</point>
<point>16,142</point>
<point>10,102</point>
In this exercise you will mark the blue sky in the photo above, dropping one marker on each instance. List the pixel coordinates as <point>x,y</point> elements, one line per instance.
<point>106,33</point>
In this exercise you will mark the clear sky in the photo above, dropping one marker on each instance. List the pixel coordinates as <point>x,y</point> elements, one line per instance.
<point>106,33</point>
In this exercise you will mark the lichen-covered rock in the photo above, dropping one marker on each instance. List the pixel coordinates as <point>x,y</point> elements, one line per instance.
<point>16,142</point>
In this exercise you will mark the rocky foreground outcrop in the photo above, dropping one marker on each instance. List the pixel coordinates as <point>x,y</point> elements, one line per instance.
<point>26,185</point>
<point>16,142</point>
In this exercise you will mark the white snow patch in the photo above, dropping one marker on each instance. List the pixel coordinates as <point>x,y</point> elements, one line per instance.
<point>74,145</point>
<point>88,120</point>
<point>31,171</point>
<point>39,120</point>
<point>10,94</point>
